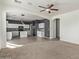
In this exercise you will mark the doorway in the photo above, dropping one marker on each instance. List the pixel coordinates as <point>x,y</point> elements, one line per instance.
<point>57,28</point>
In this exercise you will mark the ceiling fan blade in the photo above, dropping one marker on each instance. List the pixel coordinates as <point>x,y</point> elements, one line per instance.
<point>41,6</point>
<point>51,5</point>
<point>42,10</point>
<point>55,9</point>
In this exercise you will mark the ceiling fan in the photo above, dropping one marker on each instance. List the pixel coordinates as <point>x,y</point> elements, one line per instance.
<point>49,9</point>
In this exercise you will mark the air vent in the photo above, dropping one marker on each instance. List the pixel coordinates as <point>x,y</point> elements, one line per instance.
<point>18,1</point>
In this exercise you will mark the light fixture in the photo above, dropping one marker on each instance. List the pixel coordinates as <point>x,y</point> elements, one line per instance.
<point>22,15</point>
<point>18,1</point>
<point>47,9</point>
<point>22,22</point>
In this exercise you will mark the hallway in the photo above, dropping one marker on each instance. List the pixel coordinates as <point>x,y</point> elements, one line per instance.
<point>40,48</point>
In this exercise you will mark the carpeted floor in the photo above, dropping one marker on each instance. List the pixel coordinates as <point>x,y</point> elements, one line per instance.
<point>40,49</point>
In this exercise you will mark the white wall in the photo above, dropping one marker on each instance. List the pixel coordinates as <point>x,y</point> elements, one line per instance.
<point>52,28</point>
<point>2,28</point>
<point>69,27</point>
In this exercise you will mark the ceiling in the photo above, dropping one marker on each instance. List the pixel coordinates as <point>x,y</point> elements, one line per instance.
<point>26,17</point>
<point>31,6</point>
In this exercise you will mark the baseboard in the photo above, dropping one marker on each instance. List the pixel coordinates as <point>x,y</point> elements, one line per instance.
<point>70,42</point>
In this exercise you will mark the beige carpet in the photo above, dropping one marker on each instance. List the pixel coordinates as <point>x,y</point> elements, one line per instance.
<point>41,49</point>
